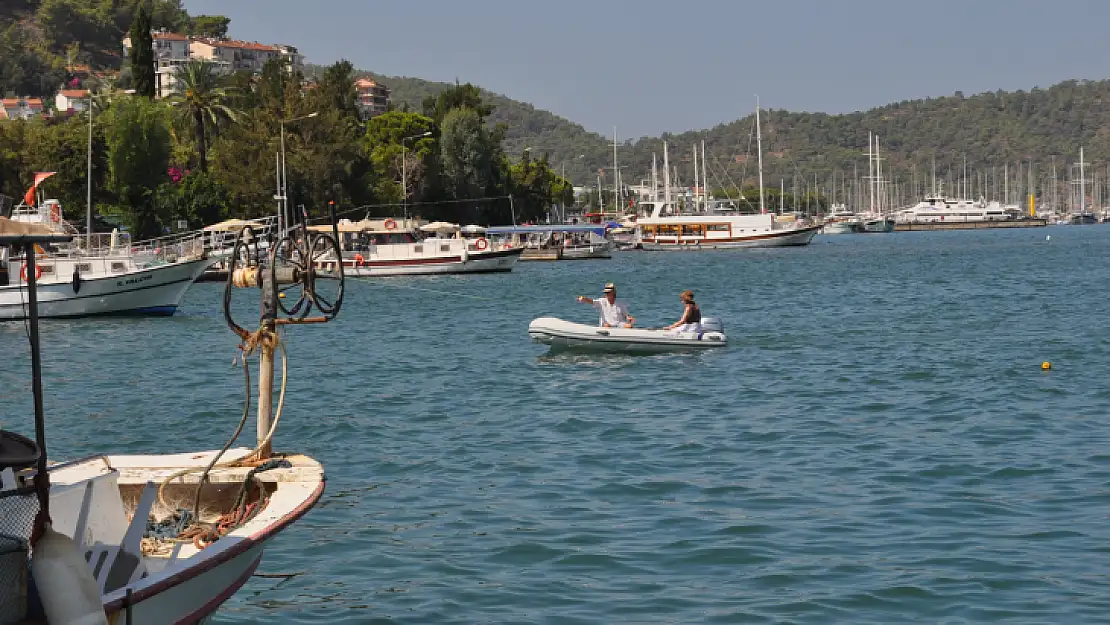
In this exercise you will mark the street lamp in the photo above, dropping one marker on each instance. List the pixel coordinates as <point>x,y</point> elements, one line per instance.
<point>404,173</point>
<point>283,195</point>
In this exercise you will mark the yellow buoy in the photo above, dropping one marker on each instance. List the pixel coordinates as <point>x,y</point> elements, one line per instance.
<point>282,296</point>
<point>1046,365</point>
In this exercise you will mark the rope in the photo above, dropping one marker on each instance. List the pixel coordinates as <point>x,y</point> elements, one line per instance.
<point>203,533</point>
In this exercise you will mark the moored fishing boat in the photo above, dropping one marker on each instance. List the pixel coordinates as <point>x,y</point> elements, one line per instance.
<point>150,538</point>
<point>387,247</point>
<point>567,335</point>
<point>100,274</point>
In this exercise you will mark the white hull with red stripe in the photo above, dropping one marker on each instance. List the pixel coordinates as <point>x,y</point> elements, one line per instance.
<point>464,261</point>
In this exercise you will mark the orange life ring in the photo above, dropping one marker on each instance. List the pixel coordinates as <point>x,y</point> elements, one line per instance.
<point>390,224</point>
<point>23,272</point>
<point>55,213</point>
<point>359,260</point>
<point>481,244</point>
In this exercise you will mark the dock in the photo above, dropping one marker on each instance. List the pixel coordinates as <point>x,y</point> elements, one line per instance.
<point>970,225</point>
<point>542,253</point>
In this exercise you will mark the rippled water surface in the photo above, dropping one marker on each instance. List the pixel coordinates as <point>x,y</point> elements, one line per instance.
<point>877,444</point>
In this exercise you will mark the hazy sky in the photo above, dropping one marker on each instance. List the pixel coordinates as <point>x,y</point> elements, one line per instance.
<point>653,66</point>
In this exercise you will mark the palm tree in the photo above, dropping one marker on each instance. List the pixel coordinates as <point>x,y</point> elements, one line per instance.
<point>203,101</point>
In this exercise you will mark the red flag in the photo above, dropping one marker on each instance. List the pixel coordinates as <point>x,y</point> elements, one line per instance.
<point>29,198</point>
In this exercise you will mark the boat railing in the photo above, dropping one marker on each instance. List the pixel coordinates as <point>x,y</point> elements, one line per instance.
<point>220,238</point>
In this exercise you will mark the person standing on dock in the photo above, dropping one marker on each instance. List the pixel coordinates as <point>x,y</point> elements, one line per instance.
<point>614,313</point>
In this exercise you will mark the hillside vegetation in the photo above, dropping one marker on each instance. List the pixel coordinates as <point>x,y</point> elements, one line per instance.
<point>39,39</point>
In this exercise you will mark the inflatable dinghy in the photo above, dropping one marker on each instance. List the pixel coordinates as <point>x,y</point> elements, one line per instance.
<point>560,334</point>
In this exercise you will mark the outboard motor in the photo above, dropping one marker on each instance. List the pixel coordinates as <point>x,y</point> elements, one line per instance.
<point>712,324</point>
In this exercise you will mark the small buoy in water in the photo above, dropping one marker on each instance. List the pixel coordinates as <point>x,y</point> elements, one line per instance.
<point>1046,365</point>
<point>281,295</point>
<point>1048,237</point>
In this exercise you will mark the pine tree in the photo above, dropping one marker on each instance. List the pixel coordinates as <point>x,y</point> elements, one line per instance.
<point>142,54</point>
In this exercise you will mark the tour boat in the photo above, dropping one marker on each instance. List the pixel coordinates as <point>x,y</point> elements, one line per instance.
<point>140,538</point>
<point>100,274</point>
<point>567,335</point>
<point>387,247</point>
<point>707,231</point>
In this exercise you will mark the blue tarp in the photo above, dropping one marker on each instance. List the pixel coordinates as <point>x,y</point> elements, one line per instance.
<point>597,229</point>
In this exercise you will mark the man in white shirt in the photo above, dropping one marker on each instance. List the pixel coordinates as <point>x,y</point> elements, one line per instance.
<point>613,312</point>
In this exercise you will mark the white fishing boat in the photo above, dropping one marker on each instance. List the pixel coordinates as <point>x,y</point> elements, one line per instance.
<point>709,230</point>
<point>144,538</point>
<point>567,335</point>
<point>99,274</point>
<point>387,247</point>
<point>556,241</point>
<point>841,221</point>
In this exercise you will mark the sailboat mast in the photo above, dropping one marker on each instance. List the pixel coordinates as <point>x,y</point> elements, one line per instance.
<point>616,175</point>
<point>871,171</point>
<point>1082,185</point>
<point>704,177</point>
<point>759,149</point>
<point>695,177</point>
<point>666,179</point>
<point>654,182</point>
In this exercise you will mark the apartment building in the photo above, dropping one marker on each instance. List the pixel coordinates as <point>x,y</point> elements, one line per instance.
<point>373,98</point>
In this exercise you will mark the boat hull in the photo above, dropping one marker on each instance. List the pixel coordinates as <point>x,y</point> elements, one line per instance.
<point>156,291</point>
<point>565,335</point>
<point>781,238</point>
<point>499,261</point>
<point>878,226</point>
<point>840,227</point>
<point>192,586</point>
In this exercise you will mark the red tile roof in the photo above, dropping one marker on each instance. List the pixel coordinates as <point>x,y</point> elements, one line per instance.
<point>232,43</point>
<point>171,36</point>
<point>74,93</point>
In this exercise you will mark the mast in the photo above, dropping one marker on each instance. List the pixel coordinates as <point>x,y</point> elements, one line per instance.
<point>666,179</point>
<point>616,176</point>
<point>759,149</point>
<point>1006,183</point>
<point>654,182</point>
<point>1082,185</point>
<point>695,177</point>
<point>704,178</point>
<point>870,173</point>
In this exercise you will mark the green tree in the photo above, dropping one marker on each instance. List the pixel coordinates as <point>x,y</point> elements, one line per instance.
<point>211,26</point>
<point>142,54</point>
<point>336,89</point>
<point>203,101</point>
<point>385,144</point>
<point>196,198</point>
<point>456,97</point>
<point>137,133</point>
<point>470,159</point>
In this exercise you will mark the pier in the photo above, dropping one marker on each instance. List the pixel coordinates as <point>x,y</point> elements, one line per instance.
<point>970,225</point>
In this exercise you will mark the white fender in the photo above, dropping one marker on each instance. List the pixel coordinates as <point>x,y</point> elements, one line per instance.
<point>65,582</point>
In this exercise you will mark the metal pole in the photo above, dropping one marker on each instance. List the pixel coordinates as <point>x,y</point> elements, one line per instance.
<point>404,188</point>
<point>88,191</point>
<point>42,476</point>
<point>266,366</point>
<point>284,181</point>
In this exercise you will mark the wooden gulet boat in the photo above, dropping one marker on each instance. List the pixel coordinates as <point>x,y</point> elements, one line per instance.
<point>157,538</point>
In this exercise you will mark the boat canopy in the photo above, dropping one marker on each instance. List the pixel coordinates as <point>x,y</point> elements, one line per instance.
<point>439,226</point>
<point>597,229</point>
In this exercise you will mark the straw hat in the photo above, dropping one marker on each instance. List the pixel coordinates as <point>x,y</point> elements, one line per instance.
<point>610,288</point>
